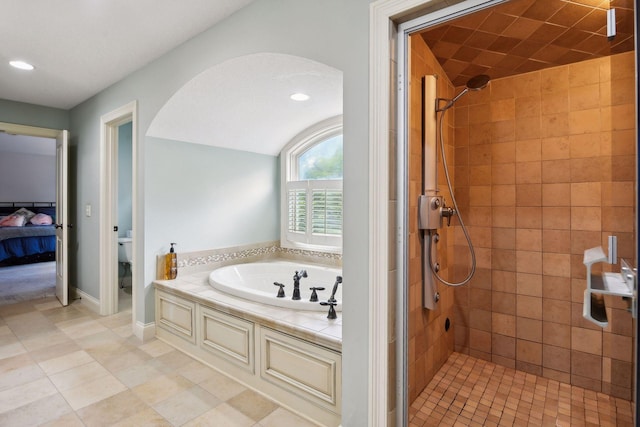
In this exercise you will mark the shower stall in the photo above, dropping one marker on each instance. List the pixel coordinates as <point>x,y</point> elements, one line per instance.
<point>504,183</point>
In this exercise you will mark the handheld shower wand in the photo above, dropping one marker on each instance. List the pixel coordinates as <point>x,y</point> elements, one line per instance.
<point>432,206</point>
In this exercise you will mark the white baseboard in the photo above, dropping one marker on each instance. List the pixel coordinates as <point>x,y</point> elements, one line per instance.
<point>87,300</point>
<point>145,331</point>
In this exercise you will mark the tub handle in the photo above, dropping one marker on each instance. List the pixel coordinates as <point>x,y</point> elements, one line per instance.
<point>314,295</point>
<point>281,290</point>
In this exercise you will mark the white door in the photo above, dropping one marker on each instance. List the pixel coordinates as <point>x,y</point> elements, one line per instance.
<point>62,218</point>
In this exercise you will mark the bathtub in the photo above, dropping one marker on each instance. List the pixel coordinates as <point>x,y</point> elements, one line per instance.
<point>254,281</point>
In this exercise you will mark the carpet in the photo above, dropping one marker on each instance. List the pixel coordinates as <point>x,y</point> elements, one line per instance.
<point>27,282</point>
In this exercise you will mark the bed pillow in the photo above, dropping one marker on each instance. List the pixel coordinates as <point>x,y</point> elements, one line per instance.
<point>41,219</point>
<point>12,220</point>
<point>26,213</point>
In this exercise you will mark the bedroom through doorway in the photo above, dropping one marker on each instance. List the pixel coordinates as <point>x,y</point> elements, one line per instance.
<point>27,217</point>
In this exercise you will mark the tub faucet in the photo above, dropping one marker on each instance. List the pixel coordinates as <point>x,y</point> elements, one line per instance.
<point>332,298</point>
<point>296,283</point>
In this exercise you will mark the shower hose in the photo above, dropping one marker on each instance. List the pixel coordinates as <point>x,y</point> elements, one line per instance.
<point>464,228</point>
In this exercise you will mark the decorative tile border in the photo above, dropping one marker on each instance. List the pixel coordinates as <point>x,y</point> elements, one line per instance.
<point>215,258</point>
<point>191,262</point>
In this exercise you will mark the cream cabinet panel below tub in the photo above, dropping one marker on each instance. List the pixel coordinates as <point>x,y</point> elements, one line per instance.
<point>305,369</point>
<point>227,336</point>
<point>176,315</point>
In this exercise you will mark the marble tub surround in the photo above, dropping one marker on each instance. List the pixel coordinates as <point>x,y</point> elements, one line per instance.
<point>307,325</point>
<point>208,260</point>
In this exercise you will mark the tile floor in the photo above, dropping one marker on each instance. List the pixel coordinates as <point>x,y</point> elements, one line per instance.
<point>66,366</point>
<point>472,392</point>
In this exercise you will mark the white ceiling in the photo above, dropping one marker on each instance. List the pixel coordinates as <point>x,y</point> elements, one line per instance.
<point>244,103</point>
<point>80,47</point>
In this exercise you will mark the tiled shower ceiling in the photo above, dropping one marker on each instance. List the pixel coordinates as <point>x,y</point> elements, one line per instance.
<point>528,35</point>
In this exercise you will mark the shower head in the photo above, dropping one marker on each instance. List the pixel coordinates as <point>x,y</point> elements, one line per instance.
<point>478,82</point>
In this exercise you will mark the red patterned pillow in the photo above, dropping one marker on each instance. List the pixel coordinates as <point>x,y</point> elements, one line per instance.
<point>12,220</point>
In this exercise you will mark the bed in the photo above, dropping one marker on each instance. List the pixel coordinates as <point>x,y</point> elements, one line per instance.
<point>28,240</point>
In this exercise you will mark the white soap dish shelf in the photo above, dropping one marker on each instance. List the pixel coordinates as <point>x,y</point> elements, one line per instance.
<point>606,283</point>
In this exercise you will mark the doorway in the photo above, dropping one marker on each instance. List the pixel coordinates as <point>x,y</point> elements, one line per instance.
<point>118,210</point>
<point>125,215</point>
<point>33,201</point>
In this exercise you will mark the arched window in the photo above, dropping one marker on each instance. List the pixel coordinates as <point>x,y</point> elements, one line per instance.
<point>311,167</point>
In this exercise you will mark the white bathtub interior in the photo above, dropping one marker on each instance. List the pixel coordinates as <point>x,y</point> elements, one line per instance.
<point>255,281</point>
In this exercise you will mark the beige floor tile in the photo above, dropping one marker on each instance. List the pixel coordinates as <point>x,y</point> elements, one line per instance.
<point>221,415</point>
<point>46,339</point>
<point>161,388</point>
<point>15,309</point>
<point>25,373</point>
<point>82,329</point>
<point>74,377</point>
<point>122,358</point>
<point>102,340</point>
<point>155,348</point>
<point>134,375</point>
<point>71,319</point>
<point>67,420</point>
<point>37,412</point>
<point>222,387</point>
<point>29,324</point>
<point>282,417</point>
<point>24,394</point>
<point>53,303</point>
<point>53,351</point>
<point>147,418</point>
<point>252,404</point>
<point>172,360</point>
<point>186,405</point>
<point>93,391</point>
<point>11,349</point>
<point>64,314</point>
<point>15,362</point>
<point>124,331</point>
<point>121,318</point>
<point>67,361</point>
<point>112,410</point>
<point>5,330</point>
<point>196,372</point>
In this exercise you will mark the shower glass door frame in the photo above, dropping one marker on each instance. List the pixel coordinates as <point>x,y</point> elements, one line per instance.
<point>404,30</point>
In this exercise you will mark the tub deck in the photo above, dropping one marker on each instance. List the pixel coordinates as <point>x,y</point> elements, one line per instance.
<point>307,325</point>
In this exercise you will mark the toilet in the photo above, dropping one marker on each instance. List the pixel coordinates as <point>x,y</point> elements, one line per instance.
<point>124,249</point>
<point>125,256</point>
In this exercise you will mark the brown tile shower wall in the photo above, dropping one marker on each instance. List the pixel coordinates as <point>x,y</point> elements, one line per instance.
<point>545,168</point>
<point>429,344</point>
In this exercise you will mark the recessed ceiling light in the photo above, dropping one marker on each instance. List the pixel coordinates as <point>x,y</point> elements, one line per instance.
<point>21,65</point>
<point>300,97</point>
